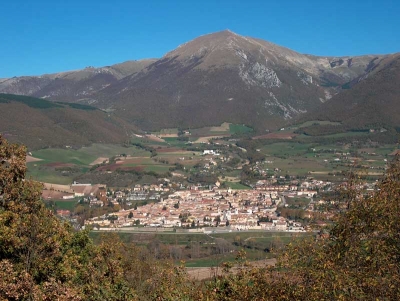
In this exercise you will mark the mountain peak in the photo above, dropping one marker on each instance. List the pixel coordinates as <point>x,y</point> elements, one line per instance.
<point>222,35</point>
<point>220,43</point>
<point>221,76</point>
<point>226,32</point>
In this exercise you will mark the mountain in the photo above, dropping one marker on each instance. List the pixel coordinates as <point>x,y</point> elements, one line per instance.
<point>228,77</point>
<point>71,86</point>
<point>212,79</point>
<point>40,123</point>
<point>371,103</point>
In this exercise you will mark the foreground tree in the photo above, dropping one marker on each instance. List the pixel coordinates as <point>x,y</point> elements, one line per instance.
<point>360,260</point>
<point>41,257</point>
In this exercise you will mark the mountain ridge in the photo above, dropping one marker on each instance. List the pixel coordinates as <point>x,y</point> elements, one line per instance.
<point>370,104</point>
<point>216,77</point>
<point>71,85</point>
<point>232,78</point>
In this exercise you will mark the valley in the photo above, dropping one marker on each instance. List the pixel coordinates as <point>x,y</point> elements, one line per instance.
<point>101,171</point>
<point>281,152</point>
<point>132,189</point>
<point>227,168</point>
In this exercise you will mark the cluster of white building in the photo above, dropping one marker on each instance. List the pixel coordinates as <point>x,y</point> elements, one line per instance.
<point>236,209</point>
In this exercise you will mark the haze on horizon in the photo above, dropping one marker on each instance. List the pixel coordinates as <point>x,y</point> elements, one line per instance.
<point>46,37</point>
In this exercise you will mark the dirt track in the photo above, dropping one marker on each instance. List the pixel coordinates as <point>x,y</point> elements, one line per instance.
<point>99,160</point>
<point>154,138</point>
<point>32,159</point>
<point>276,136</point>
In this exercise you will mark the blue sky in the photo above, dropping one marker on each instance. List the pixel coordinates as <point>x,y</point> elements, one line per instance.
<point>45,36</point>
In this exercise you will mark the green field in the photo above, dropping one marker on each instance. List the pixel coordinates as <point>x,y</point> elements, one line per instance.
<point>47,175</point>
<point>235,185</point>
<point>46,170</point>
<point>148,142</point>
<point>63,156</point>
<point>239,129</point>
<point>313,122</point>
<point>175,142</point>
<point>170,131</point>
<point>346,134</point>
<point>169,238</point>
<point>60,166</point>
<point>224,129</point>
<point>211,131</point>
<point>110,150</point>
<point>259,234</point>
<point>157,168</point>
<point>67,204</point>
<point>210,261</point>
<point>217,260</point>
<point>286,149</point>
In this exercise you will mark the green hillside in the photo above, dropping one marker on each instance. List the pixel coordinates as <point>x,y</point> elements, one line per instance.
<point>39,123</point>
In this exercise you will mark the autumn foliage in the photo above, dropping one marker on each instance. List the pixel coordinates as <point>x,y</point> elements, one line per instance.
<point>44,258</point>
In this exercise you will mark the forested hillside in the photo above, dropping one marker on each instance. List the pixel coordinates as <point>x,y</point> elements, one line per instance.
<point>39,123</point>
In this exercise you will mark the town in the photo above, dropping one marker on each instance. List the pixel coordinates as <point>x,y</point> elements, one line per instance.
<point>199,208</point>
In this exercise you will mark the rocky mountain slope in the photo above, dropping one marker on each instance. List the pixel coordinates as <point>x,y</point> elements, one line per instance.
<point>371,103</point>
<point>214,78</point>
<point>228,77</point>
<point>71,86</point>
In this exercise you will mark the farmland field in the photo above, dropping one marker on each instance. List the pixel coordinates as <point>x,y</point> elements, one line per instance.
<point>225,129</point>
<point>239,129</point>
<point>110,150</point>
<point>47,175</point>
<point>64,156</point>
<point>319,122</point>
<point>300,156</point>
<point>323,161</point>
<point>255,243</point>
<point>66,204</point>
<point>60,166</point>
<point>175,142</point>
<point>235,185</point>
<point>157,168</point>
<point>172,132</point>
